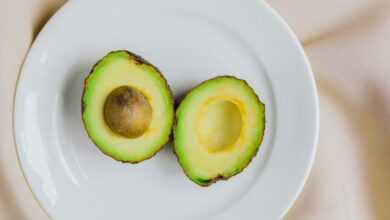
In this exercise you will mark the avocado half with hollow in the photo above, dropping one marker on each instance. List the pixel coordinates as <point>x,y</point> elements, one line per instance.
<point>219,128</point>
<point>127,107</point>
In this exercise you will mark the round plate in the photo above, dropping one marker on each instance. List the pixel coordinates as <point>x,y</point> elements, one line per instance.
<point>190,41</point>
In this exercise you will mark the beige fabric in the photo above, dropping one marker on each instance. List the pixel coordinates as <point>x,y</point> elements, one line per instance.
<point>348,43</point>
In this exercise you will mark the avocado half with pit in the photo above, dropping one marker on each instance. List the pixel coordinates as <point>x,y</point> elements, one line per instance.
<point>219,128</point>
<point>127,107</point>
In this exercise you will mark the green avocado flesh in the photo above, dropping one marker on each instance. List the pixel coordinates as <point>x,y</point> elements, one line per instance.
<point>127,107</point>
<point>219,128</point>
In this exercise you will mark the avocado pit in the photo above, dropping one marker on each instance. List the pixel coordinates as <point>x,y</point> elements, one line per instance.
<point>127,112</point>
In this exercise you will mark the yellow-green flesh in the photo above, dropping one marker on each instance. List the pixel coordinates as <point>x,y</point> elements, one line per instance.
<point>220,125</point>
<point>117,69</point>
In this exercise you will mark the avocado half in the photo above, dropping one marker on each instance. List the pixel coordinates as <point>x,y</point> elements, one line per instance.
<point>219,128</point>
<point>127,107</point>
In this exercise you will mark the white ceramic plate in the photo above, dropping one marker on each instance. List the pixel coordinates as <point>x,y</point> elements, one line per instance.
<point>190,41</point>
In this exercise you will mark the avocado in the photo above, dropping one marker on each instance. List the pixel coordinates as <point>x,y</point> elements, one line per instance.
<point>127,107</point>
<point>219,128</point>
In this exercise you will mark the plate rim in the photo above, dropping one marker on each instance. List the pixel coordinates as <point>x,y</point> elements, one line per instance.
<point>16,94</point>
<point>316,103</point>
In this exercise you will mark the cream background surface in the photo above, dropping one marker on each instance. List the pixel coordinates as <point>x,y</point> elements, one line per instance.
<point>348,44</point>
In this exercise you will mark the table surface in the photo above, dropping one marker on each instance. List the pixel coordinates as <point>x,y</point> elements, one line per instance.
<point>349,49</point>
